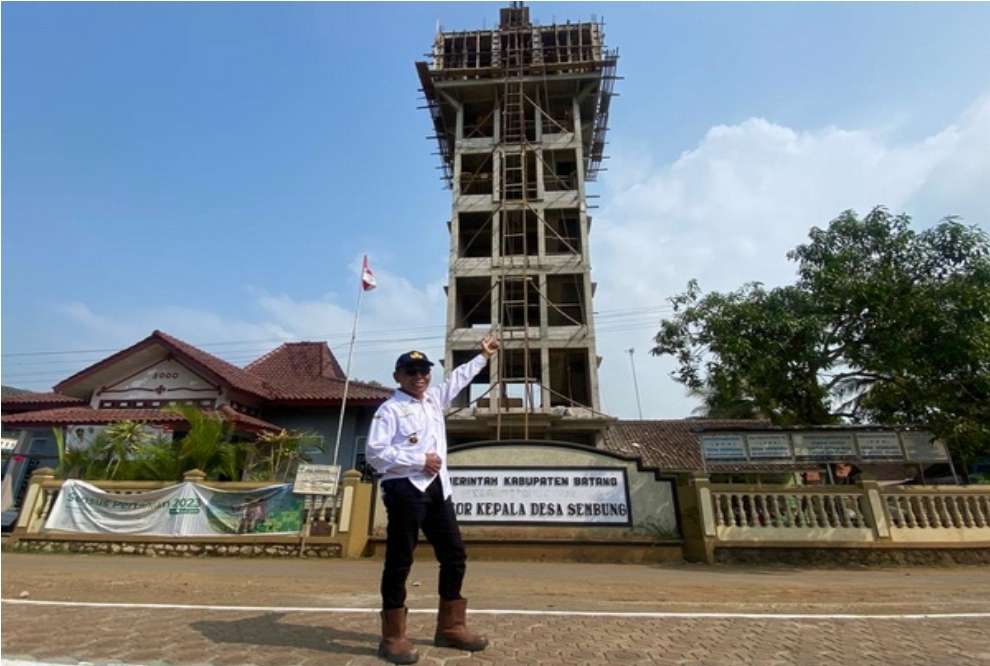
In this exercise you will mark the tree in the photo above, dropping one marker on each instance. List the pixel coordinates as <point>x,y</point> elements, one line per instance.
<point>122,441</point>
<point>207,446</point>
<point>274,456</point>
<point>884,324</point>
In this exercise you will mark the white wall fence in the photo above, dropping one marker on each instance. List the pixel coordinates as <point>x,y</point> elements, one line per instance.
<point>938,516</point>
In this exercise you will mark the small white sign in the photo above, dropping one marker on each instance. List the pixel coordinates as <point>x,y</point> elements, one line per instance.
<point>723,447</point>
<point>538,495</point>
<point>923,447</point>
<point>879,446</point>
<point>769,447</point>
<point>824,446</point>
<point>316,479</point>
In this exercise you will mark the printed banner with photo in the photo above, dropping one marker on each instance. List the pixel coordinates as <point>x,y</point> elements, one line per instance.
<point>186,509</point>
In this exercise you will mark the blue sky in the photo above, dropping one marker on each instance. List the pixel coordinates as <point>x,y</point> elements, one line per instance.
<point>217,170</point>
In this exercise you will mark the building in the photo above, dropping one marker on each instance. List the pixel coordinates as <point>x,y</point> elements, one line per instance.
<point>296,386</point>
<point>520,113</point>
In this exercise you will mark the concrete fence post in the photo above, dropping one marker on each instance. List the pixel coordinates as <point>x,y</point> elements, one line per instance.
<point>30,519</point>
<point>355,512</point>
<point>194,475</point>
<point>874,505</point>
<point>697,518</point>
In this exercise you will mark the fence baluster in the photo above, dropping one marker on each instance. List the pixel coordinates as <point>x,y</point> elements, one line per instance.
<point>958,513</point>
<point>981,520</point>
<point>774,516</point>
<point>969,513</point>
<point>921,512</point>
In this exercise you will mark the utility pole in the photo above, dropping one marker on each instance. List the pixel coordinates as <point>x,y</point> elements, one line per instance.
<point>639,407</point>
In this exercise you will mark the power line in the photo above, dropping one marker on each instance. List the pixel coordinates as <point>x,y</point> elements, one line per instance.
<point>599,316</point>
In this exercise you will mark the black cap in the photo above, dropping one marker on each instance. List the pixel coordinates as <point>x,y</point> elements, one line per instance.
<point>412,359</point>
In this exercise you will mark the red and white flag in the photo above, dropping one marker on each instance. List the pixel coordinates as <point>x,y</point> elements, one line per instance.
<point>368,281</point>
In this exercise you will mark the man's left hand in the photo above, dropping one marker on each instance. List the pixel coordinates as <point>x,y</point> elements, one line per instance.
<point>489,345</point>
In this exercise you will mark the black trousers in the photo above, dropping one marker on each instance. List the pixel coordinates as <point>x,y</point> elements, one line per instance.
<point>410,510</point>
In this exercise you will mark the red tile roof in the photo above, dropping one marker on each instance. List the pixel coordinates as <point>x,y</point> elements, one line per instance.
<point>294,359</point>
<point>90,416</point>
<point>228,372</point>
<point>308,371</point>
<point>668,445</point>
<point>294,372</point>
<point>235,376</point>
<point>29,398</point>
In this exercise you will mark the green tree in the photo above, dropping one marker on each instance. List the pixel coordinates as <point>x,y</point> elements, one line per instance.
<point>207,446</point>
<point>159,460</point>
<point>121,442</point>
<point>275,455</point>
<point>884,324</point>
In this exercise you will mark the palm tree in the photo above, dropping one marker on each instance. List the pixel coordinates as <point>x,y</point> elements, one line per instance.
<point>273,456</point>
<point>158,460</point>
<point>717,404</point>
<point>124,439</point>
<point>206,446</point>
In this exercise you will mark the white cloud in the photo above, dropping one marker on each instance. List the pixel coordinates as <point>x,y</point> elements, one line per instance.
<point>397,317</point>
<point>727,211</point>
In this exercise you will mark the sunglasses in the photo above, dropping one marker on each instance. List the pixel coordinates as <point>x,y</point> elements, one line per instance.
<point>413,372</point>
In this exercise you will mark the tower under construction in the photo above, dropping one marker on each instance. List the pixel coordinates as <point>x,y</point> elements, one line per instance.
<point>520,114</point>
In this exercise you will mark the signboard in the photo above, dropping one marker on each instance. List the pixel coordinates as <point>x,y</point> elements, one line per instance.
<point>316,479</point>
<point>186,509</point>
<point>879,446</point>
<point>769,446</point>
<point>824,446</point>
<point>833,447</point>
<point>922,447</point>
<point>723,447</point>
<point>541,495</point>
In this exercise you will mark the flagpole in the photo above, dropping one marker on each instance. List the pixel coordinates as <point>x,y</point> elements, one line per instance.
<point>347,375</point>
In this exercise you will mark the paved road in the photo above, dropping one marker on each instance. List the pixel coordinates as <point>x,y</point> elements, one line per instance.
<point>162,635</point>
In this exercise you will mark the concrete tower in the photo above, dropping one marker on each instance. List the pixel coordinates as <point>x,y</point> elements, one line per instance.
<point>520,114</point>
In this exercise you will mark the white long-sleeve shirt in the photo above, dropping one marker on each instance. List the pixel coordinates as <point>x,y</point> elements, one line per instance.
<point>405,429</point>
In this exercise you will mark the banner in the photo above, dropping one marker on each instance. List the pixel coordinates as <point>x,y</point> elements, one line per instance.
<point>541,495</point>
<point>186,509</point>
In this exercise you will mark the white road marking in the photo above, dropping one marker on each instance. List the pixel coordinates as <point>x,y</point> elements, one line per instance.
<point>548,613</point>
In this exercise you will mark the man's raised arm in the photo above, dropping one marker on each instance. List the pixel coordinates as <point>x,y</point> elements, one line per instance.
<point>462,375</point>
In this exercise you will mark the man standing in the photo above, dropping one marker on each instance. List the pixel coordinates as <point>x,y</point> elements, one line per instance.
<point>407,445</point>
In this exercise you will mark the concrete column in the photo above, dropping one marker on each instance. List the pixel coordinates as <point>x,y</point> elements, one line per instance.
<point>579,153</point>
<point>545,376</point>
<point>539,123</point>
<point>541,229</point>
<point>358,517</point>
<point>30,519</point>
<point>541,191</point>
<point>878,517</point>
<point>697,518</point>
<point>457,173</point>
<point>497,158</point>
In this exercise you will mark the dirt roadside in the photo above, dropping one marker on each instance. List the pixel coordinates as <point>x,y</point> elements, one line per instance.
<point>505,585</point>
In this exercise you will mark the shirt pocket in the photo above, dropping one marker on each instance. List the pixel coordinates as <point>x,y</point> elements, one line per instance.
<point>410,426</point>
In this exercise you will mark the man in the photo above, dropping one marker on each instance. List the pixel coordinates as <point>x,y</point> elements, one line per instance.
<point>407,445</point>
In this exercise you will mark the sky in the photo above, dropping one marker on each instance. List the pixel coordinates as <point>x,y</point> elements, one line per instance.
<point>218,170</point>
